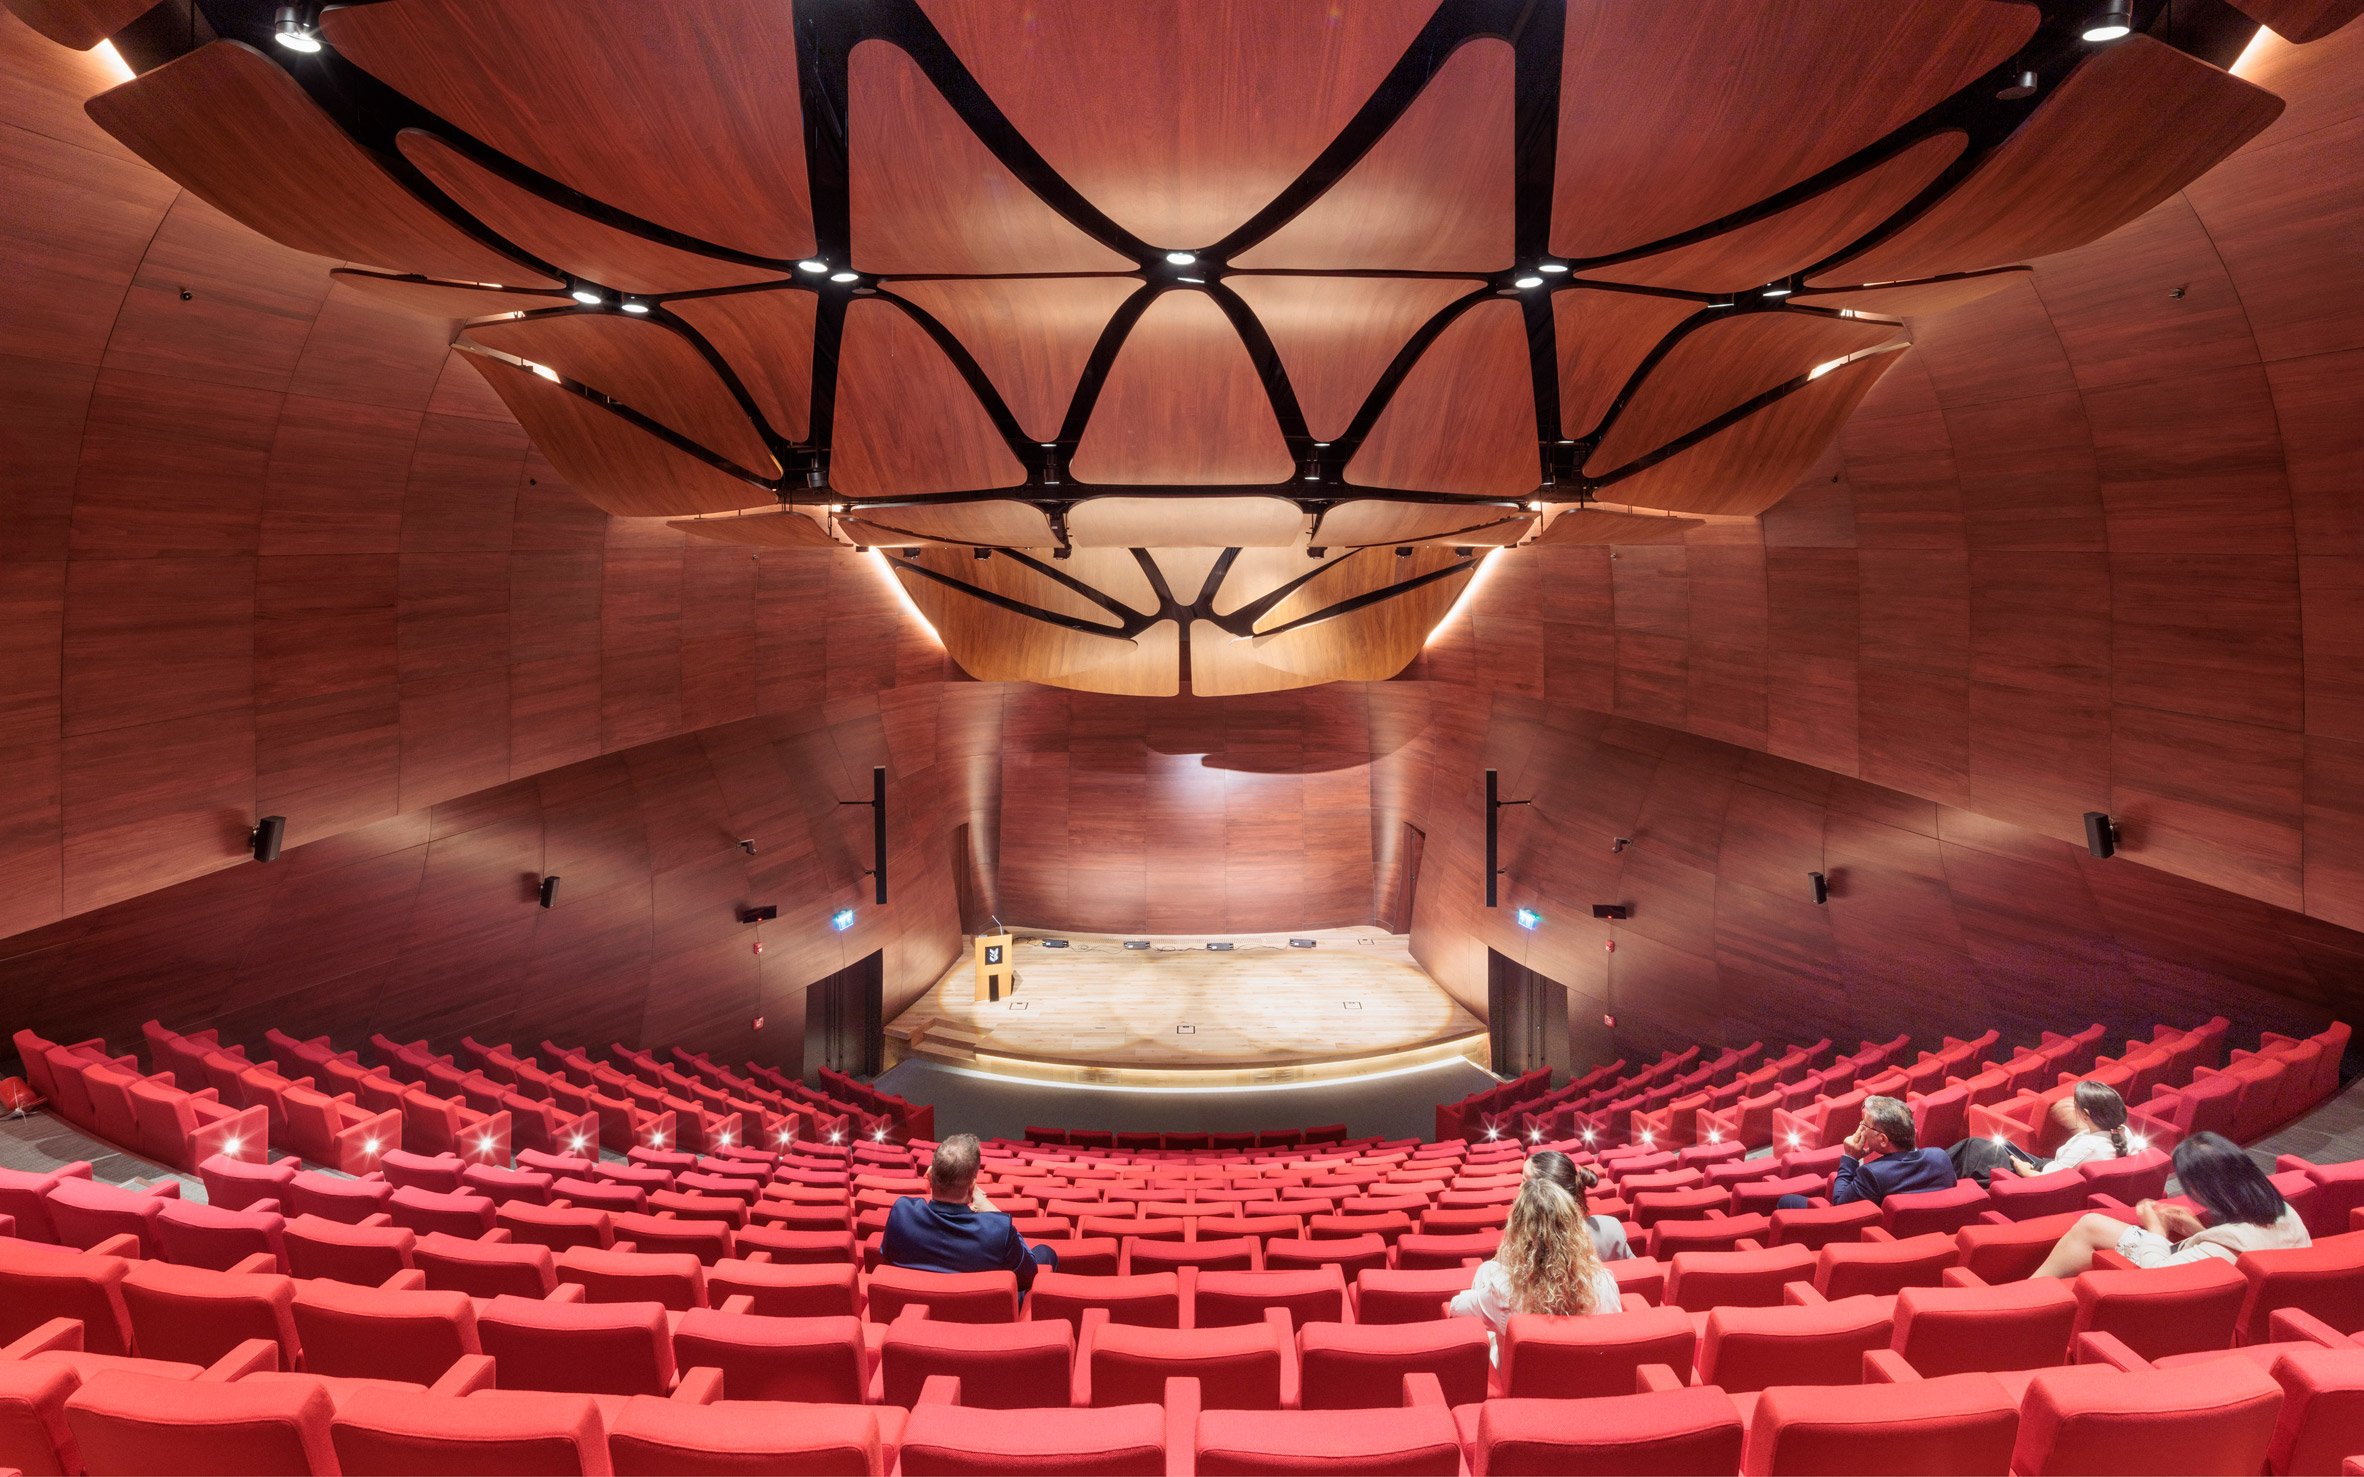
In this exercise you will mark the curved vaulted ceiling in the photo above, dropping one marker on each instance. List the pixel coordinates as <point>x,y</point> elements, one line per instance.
<point>1179,277</point>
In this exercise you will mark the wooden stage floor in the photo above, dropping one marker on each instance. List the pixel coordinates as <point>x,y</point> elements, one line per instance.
<point>1179,1013</point>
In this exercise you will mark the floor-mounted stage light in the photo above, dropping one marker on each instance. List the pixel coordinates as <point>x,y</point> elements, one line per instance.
<point>2113,22</point>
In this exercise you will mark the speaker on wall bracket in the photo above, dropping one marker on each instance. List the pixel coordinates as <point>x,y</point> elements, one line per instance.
<point>878,831</point>
<point>268,833</point>
<point>1494,807</point>
<point>1821,886</point>
<point>2101,834</point>
<point>549,892</point>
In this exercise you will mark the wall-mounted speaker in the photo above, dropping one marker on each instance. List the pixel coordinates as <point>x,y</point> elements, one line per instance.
<point>549,892</point>
<point>1609,910</point>
<point>2101,833</point>
<point>764,914</point>
<point>1821,886</point>
<point>268,833</point>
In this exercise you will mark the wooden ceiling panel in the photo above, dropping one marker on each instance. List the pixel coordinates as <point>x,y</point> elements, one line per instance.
<point>1750,465</point>
<point>994,644</point>
<point>236,130</point>
<point>1336,335</point>
<point>1464,419</point>
<point>612,97</point>
<point>646,365</point>
<point>2292,20</point>
<point>1224,665</point>
<point>767,339</point>
<point>1788,241</point>
<point>1671,117</point>
<point>79,25</point>
<point>1603,338</point>
<point>1370,644</point>
<point>1182,405</point>
<point>927,196</point>
<point>999,523</point>
<point>1601,526</point>
<point>1031,335</point>
<point>1433,195</point>
<point>619,467</point>
<point>1916,299</point>
<point>1375,521</point>
<point>1723,364</point>
<point>592,250</point>
<point>1180,120</point>
<point>453,300</point>
<point>1043,586</point>
<point>1348,576</point>
<point>765,529</point>
<point>907,421</point>
<point>2089,159</point>
<point>1184,522</point>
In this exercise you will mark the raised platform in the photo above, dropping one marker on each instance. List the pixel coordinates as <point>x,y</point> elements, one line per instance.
<point>1181,1015</point>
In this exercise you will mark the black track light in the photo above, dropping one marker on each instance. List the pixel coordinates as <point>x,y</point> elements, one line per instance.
<point>2113,22</point>
<point>292,28</point>
<point>2023,84</point>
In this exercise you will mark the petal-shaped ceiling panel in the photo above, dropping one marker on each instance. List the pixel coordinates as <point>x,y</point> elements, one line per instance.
<point>647,366</point>
<point>1180,120</point>
<point>1722,364</point>
<point>1786,242</point>
<point>766,529</point>
<point>79,24</point>
<point>1912,299</point>
<point>1603,338</point>
<point>233,128</point>
<point>1433,195</point>
<point>1674,116</point>
<point>432,299</point>
<point>1335,335</point>
<point>767,339</point>
<point>1186,571</point>
<point>1224,665</point>
<point>1601,526</point>
<point>1372,521</point>
<point>1184,522</point>
<point>1464,419</point>
<point>592,250</point>
<point>996,644</point>
<point>613,97</point>
<point>1349,578</point>
<point>613,463</point>
<point>1750,465</point>
<point>907,420</point>
<point>2092,157</point>
<point>1370,644</point>
<point>927,196</point>
<point>1031,335</point>
<point>2294,20</point>
<point>998,523</point>
<point>1103,590</point>
<point>1183,405</point>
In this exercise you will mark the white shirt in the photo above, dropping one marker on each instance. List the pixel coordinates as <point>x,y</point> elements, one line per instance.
<point>2082,1148</point>
<point>1608,1239</point>
<point>1489,1295</point>
<point>2147,1248</point>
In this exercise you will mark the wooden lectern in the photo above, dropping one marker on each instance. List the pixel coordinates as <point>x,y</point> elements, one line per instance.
<point>997,969</point>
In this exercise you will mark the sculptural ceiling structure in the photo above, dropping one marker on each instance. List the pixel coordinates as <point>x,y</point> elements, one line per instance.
<point>2066,522</point>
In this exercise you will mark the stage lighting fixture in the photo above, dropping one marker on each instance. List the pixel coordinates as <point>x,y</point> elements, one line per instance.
<point>544,371</point>
<point>1553,267</point>
<point>1529,919</point>
<point>2113,22</point>
<point>1778,290</point>
<point>1530,280</point>
<point>842,919</point>
<point>2101,834</point>
<point>291,29</point>
<point>2023,83</point>
<point>845,276</point>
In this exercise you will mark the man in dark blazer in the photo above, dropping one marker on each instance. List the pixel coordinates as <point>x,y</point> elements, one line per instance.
<point>1881,1159</point>
<point>956,1229</point>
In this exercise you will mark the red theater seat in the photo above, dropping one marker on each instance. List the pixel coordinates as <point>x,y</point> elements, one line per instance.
<point>1844,1269</point>
<point>1346,1366</point>
<point>1412,1440</point>
<point>1670,1431</point>
<point>1250,1367</point>
<point>1007,1366</point>
<point>672,1438</point>
<point>793,1290</point>
<point>1567,1358</point>
<point>1955,1329</point>
<point>806,1359</point>
<point>2326,1279</point>
<point>1700,1280</point>
<point>1382,1295</point>
<point>2159,1311</point>
<point>383,1333</point>
<point>1228,1299</point>
<point>2215,1418</point>
<point>601,1348</point>
<point>952,1297</point>
<point>39,1283</point>
<point>943,1439</point>
<point>197,1315</point>
<point>366,1255</point>
<point>196,1234</point>
<point>484,1269</point>
<point>1957,1423</point>
<point>133,1423</point>
<point>492,1431</point>
<point>1812,1344</point>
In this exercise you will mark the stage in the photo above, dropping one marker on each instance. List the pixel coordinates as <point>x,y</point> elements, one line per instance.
<point>1181,1015</point>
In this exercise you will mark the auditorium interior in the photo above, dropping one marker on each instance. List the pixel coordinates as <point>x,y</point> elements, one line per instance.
<point>1182,736</point>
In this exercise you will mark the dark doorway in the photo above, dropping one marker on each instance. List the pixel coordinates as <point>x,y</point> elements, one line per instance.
<point>1527,1014</point>
<point>842,1028</point>
<point>1397,917</point>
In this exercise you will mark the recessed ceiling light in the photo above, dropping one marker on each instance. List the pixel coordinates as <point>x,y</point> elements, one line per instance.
<point>1182,258</point>
<point>1193,281</point>
<point>813,265</point>
<point>545,371</point>
<point>635,305</point>
<point>845,276</point>
<point>589,297</point>
<point>1552,267</point>
<point>2114,22</point>
<point>1722,302</point>
<point>1530,280</point>
<point>1313,476</point>
<point>1048,445</point>
<point>1779,289</point>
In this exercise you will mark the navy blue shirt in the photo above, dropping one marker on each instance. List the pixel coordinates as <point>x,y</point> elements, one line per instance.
<point>1907,1173</point>
<point>939,1236</point>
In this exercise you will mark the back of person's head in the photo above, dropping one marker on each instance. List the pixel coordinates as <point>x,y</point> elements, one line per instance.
<point>1547,1251</point>
<point>1891,1119</point>
<point>1557,1168</point>
<point>952,1174</point>
<point>2100,1103</point>
<point>2220,1175</point>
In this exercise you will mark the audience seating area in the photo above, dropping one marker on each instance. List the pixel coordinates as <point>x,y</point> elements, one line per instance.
<point>706,1294</point>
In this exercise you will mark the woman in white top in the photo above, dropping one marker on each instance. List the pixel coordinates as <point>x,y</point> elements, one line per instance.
<point>1608,1233</point>
<point>1545,1264</point>
<point>2096,1118</point>
<point>2245,1213</point>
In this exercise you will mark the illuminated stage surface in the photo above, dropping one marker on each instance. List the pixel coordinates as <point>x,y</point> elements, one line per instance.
<point>1179,1014</point>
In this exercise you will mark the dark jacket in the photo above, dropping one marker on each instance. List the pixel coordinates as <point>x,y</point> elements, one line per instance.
<point>937,1236</point>
<point>1907,1173</point>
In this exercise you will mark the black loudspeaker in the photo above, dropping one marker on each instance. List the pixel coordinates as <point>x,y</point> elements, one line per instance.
<point>1821,887</point>
<point>268,833</point>
<point>764,914</point>
<point>2101,835</point>
<point>549,892</point>
<point>1493,837</point>
<point>1608,910</point>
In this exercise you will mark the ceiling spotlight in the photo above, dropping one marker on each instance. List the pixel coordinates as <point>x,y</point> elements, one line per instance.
<point>589,297</point>
<point>1721,302</point>
<point>845,276</point>
<point>635,305</point>
<point>1530,280</point>
<point>545,371</point>
<point>2113,22</point>
<point>290,29</point>
<point>1779,289</point>
<point>1555,268</point>
<point>1193,281</point>
<point>2023,83</point>
<point>1182,258</point>
<point>813,265</point>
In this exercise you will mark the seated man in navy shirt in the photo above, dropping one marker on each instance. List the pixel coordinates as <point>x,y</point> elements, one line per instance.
<point>1880,1160</point>
<point>956,1229</point>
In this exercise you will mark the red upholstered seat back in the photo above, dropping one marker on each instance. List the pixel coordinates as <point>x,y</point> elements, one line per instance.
<point>1956,1423</point>
<point>1689,1430</point>
<point>1565,1358</point>
<point>371,1332</point>
<point>602,1348</point>
<point>810,1359</point>
<point>1751,1348</point>
<point>2164,1310</point>
<point>1350,1366</point>
<point>489,1431</point>
<point>125,1422</point>
<point>961,1441</point>
<point>2217,1416</point>
<point>2018,1325</point>
<point>1010,1366</point>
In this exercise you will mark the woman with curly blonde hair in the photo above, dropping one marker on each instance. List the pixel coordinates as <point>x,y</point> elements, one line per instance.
<point>1545,1264</point>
